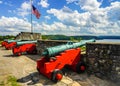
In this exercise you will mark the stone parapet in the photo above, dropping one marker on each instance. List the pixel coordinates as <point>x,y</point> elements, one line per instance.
<point>42,44</point>
<point>103,60</point>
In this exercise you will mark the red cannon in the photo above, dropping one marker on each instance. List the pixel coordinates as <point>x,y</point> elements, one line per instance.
<point>51,68</point>
<point>29,48</point>
<point>4,43</point>
<point>56,58</point>
<point>10,45</point>
<point>17,43</point>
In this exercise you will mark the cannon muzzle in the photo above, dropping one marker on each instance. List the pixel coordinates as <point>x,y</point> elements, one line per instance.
<point>52,51</point>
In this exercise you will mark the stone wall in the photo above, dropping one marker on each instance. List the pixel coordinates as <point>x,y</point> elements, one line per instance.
<point>28,36</point>
<point>42,44</point>
<point>103,60</point>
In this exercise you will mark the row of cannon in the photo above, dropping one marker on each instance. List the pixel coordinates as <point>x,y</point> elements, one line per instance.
<point>53,59</point>
<point>20,46</point>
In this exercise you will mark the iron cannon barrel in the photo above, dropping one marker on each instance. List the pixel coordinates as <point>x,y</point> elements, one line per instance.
<point>52,51</point>
<point>9,41</point>
<point>25,42</point>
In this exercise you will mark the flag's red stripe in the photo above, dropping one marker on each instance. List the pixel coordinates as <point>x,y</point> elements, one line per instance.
<point>36,12</point>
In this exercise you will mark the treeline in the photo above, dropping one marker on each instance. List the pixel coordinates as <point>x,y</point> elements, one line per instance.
<point>63,37</point>
<point>84,37</point>
<point>6,37</point>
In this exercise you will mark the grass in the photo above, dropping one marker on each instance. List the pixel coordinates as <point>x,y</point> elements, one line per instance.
<point>83,48</point>
<point>10,81</point>
<point>0,42</point>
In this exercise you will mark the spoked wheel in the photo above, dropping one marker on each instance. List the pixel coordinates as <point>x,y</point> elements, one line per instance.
<point>80,67</point>
<point>56,75</point>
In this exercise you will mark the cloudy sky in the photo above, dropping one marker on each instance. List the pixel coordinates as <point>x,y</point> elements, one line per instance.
<point>67,17</point>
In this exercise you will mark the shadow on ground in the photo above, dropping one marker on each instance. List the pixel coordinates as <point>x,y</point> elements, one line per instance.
<point>11,55</point>
<point>35,78</point>
<point>3,48</point>
<point>33,57</point>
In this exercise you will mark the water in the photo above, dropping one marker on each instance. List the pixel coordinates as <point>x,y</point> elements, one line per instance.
<point>109,40</point>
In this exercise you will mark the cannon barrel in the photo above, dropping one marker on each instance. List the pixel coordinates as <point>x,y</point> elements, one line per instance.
<point>9,41</point>
<point>25,42</point>
<point>52,51</point>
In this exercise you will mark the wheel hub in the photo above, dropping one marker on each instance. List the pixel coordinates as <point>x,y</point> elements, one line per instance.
<point>58,76</point>
<point>82,68</point>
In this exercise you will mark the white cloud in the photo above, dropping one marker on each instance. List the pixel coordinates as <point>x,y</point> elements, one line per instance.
<point>25,5</point>
<point>73,18</point>
<point>44,3</point>
<point>89,5</point>
<point>114,11</point>
<point>13,25</point>
<point>55,28</point>
<point>71,1</point>
<point>67,10</point>
<point>47,17</point>
<point>98,21</point>
<point>24,10</point>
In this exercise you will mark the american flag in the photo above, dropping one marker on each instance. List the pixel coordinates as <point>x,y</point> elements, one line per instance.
<point>35,12</point>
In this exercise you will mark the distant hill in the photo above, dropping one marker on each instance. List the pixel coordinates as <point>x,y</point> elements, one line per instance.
<point>85,37</point>
<point>108,37</point>
<point>55,37</point>
<point>63,37</point>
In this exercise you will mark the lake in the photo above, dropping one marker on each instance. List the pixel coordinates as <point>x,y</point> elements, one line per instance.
<point>109,40</point>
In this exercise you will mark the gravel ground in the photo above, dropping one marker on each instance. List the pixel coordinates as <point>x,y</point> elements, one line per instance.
<point>24,69</point>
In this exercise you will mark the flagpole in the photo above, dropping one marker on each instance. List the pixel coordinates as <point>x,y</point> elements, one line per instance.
<point>31,17</point>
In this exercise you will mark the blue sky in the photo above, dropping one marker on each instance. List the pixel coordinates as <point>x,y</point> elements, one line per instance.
<point>67,17</point>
